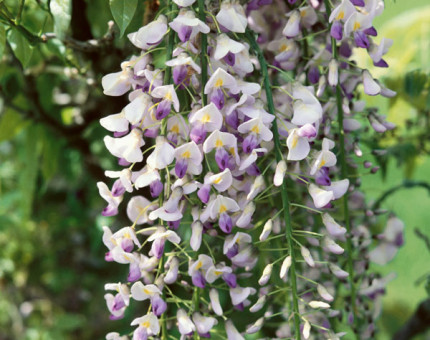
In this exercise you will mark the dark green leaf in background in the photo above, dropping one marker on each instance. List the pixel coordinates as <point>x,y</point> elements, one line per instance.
<point>123,11</point>
<point>61,12</point>
<point>20,46</point>
<point>2,40</point>
<point>51,152</point>
<point>29,158</point>
<point>415,82</point>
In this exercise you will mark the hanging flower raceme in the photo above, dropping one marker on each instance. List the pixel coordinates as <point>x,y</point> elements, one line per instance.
<point>238,141</point>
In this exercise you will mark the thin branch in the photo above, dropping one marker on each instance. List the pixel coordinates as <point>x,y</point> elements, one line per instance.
<point>38,114</point>
<point>417,324</point>
<point>407,184</point>
<point>87,46</point>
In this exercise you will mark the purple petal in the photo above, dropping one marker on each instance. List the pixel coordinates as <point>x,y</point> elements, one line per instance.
<point>163,109</point>
<point>159,306</point>
<point>181,167</point>
<point>250,143</point>
<point>185,33</point>
<point>225,223</point>
<point>198,280</point>
<point>118,189</point>
<point>198,133</point>
<point>361,39</point>
<point>336,30</point>
<point>204,193</point>
<point>230,279</point>
<point>230,59</point>
<point>134,272</point>
<point>221,158</point>
<point>155,188</point>
<point>217,97</point>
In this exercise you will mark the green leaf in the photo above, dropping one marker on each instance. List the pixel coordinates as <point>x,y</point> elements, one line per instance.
<point>415,83</point>
<point>20,46</point>
<point>28,175</point>
<point>51,152</point>
<point>2,40</point>
<point>11,123</point>
<point>61,12</point>
<point>123,11</point>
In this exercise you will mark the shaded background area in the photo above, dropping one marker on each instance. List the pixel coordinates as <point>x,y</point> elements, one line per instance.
<point>52,268</point>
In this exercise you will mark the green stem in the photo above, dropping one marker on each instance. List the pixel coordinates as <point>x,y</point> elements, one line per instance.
<point>284,194</point>
<point>203,53</point>
<point>20,9</point>
<point>196,297</point>
<point>8,18</point>
<point>344,174</point>
<point>163,316</point>
<point>167,80</point>
<point>203,81</point>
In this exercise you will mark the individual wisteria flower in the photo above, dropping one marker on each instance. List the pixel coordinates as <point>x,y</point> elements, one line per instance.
<point>113,197</point>
<point>391,240</point>
<point>187,26</point>
<point>148,325</point>
<point>127,147</point>
<point>149,35</point>
<point>232,16</point>
<point>235,150</point>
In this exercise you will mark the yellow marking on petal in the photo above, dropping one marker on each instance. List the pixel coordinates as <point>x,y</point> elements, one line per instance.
<point>127,235</point>
<point>341,15</point>
<point>126,257</point>
<point>206,118</point>
<point>218,143</point>
<point>302,13</point>
<point>238,240</point>
<point>295,141</point>
<point>283,47</point>
<point>186,154</point>
<point>168,96</point>
<point>222,209</point>
<point>322,163</point>
<point>255,129</point>
<point>217,180</point>
<point>232,151</point>
<point>146,324</point>
<point>199,265</point>
<point>175,128</point>
<point>219,82</point>
<point>357,25</point>
<point>217,272</point>
<point>146,291</point>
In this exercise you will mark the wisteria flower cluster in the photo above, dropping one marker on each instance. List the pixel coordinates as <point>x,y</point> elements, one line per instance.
<point>239,163</point>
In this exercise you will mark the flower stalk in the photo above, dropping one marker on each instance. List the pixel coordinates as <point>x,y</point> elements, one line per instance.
<point>284,193</point>
<point>344,175</point>
<point>203,53</point>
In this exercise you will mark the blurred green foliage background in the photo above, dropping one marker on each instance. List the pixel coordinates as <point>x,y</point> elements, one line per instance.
<point>52,268</point>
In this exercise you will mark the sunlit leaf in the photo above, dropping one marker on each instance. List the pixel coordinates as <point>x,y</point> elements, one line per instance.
<point>20,46</point>
<point>123,11</point>
<point>61,12</point>
<point>11,123</point>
